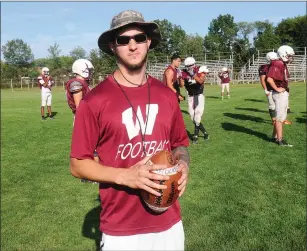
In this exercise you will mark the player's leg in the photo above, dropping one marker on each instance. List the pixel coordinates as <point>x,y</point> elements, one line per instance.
<point>281,102</point>
<point>222,93</point>
<point>49,100</point>
<point>227,89</point>
<point>199,111</point>
<point>43,103</point>
<point>272,114</point>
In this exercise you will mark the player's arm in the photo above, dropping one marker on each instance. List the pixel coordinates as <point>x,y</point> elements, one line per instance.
<point>169,79</point>
<point>181,82</point>
<point>262,81</point>
<point>77,97</point>
<point>273,85</point>
<point>75,88</point>
<point>200,79</point>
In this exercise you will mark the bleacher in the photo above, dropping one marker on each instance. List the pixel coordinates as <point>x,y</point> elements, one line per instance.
<point>249,72</point>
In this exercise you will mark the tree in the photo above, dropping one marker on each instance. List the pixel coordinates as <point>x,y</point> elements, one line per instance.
<point>292,31</point>
<point>54,51</point>
<point>221,34</point>
<point>77,53</point>
<point>193,45</point>
<point>17,52</point>
<point>266,38</point>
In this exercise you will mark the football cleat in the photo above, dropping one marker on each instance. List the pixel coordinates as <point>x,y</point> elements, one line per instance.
<point>282,142</point>
<point>194,139</point>
<point>206,136</point>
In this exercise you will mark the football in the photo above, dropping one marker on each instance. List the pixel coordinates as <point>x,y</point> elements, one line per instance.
<point>169,195</point>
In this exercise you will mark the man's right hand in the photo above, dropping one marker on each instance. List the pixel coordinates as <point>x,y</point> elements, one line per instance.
<point>181,98</point>
<point>140,176</point>
<point>280,89</point>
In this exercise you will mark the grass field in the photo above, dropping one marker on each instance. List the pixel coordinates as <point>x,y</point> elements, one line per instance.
<point>244,193</point>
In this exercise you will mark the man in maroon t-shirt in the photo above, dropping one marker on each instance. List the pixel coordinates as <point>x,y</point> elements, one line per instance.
<point>127,118</point>
<point>277,77</point>
<point>172,76</point>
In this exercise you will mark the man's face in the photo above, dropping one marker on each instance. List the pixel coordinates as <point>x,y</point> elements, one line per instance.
<point>131,47</point>
<point>177,62</point>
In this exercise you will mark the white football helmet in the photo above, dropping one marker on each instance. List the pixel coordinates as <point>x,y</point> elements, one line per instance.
<point>286,53</point>
<point>271,56</point>
<point>224,69</point>
<point>45,71</point>
<point>83,68</point>
<point>203,68</point>
<point>189,61</point>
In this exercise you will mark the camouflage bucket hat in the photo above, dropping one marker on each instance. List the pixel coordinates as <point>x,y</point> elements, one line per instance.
<point>128,18</point>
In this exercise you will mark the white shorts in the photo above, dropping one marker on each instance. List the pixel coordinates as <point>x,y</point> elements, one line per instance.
<point>227,87</point>
<point>281,100</point>
<point>171,239</point>
<point>46,99</point>
<point>197,113</point>
<point>271,101</point>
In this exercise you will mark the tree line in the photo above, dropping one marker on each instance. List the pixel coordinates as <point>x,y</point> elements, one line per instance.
<point>224,37</point>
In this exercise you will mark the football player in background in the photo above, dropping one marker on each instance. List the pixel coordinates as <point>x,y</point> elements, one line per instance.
<point>45,83</point>
<point>268,90</point>
<point>277,77</point>
<point>193,79</point>
<point>79,86</point>
<point>172,76</point>
<point>225,80</point>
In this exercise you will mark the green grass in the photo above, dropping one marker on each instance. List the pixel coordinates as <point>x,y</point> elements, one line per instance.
<point>244,193</point>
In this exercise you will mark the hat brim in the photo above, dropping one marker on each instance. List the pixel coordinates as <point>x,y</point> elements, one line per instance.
<point>151,28</point>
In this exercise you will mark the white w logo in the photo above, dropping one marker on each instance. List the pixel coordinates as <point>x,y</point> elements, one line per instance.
<point>133,128</point>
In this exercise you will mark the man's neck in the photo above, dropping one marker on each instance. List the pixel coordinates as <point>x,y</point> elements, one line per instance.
<point>130,78</point>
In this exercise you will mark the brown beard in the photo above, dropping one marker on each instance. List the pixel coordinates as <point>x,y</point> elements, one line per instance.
<point>131,67</point>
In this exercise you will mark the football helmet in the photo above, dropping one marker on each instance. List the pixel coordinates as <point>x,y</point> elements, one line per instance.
<point>271,56</point>
<point>203,68</point>
<point>286,53</point>
<point>189,61</point>
<point>45,71</point>
<point>224,69</point>
<point>83,68</point>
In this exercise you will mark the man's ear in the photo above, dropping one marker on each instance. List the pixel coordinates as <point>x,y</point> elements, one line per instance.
<point>112,48</point>
<point>148,42</point>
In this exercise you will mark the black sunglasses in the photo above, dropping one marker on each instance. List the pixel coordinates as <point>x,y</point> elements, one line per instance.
<point>138,38</point>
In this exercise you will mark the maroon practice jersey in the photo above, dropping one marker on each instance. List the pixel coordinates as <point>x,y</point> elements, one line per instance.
<point>263,70</point>
<point>72,86</point>
<point>105,121</point>
<point>46,79</point>
<point>279,73</point>
<point>224,76</point>
<point>174,79</point>
<point>192,87</point>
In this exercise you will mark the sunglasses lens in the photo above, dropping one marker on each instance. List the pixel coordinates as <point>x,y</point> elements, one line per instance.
<point>122,40</point>
<point>140,38</point>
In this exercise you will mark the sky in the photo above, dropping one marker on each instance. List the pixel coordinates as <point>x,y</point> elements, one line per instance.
<point>72,24</point>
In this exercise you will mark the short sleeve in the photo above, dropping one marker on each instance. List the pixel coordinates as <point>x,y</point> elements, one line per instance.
<point>75,86</point>
<point>85,133</point>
